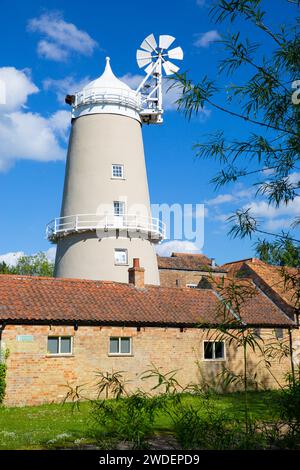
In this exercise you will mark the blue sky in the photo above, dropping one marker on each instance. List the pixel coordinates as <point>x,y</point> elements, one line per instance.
<point>53,47</point>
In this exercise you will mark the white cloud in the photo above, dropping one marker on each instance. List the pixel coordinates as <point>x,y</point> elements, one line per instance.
<point>23,134</point>
<point>18,86</point>
<point>205,39</point>
<point>181,246</point>
<point>60,38</point>
<point>65,86</point>
<point>12,258</point>
<point>221,199</point>
<point>263,209</point>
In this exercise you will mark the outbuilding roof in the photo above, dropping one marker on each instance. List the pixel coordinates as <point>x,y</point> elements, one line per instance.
<point>42,299</point>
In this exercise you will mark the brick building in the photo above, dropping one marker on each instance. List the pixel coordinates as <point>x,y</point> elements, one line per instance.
<point>61,331</point>
<point>186,269</point>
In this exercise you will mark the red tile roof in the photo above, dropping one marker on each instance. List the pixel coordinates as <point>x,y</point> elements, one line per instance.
<point>269,278</point>
<point>187,262</point>
<point>40,299</point>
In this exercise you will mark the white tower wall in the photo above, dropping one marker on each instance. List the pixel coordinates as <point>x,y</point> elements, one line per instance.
<point>106,131</point>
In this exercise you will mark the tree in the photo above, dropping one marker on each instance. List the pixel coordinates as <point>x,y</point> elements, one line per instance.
<point>35,265</point>
<point>281,252</point>
<point>268,101</point>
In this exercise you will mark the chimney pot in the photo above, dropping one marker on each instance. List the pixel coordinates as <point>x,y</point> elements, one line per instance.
<point>136,262</point>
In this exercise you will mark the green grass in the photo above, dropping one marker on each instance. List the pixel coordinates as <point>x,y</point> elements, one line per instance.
<point>52,426</point>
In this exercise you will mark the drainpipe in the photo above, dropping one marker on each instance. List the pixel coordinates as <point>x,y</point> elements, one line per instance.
<point>291,356</point>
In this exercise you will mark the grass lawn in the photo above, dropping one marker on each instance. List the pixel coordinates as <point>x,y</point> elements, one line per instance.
<point>52,426</point>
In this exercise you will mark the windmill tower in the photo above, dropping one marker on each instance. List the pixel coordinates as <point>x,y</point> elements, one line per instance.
<point>105,218</point>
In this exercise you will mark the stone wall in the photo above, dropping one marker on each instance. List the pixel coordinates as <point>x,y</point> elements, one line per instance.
<point>34,377</point>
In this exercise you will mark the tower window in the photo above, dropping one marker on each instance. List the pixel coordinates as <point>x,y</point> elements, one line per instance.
<point>121,256</point>
<point>119,208</point>
<point>117,171</point>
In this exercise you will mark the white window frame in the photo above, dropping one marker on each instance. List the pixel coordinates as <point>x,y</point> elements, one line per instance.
<point>121,205</point>
<point>120,353</point>
<point>191,285</point>
<point>121,250</point>
<point>59,345</point>
<point>215,359</point>
<point>114,177</point>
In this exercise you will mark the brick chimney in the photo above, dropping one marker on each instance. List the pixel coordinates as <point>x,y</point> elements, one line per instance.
<point>136,274</point>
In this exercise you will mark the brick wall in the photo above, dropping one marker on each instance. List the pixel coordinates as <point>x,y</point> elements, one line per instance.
<point>168,277</point>
<point>34,377</point>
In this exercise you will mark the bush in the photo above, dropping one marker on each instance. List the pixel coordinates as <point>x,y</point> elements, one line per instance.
<point>207,428</point>
<point>3,369</point>
<point>126,419</point>
<point>289,403</point>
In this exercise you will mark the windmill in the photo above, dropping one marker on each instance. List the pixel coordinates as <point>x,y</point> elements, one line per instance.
<point>105,220</point>
<point>154,57</point>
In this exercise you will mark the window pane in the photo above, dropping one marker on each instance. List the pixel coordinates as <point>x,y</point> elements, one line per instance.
<point>279,333</point>
<point>208,350</point>
<point>117,171</point>
<point>65,345</point>
<point>114,345</point>
<point>219,350</point>
<point>121,256</point>
<point>53,345</point>
<point>125,345</point>
<point>119,208</point>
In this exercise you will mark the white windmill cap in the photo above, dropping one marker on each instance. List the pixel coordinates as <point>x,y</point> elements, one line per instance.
<point>107,80</point>
<point>107,95</point>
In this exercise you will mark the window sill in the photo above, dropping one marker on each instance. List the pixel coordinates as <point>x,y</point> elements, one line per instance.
<point>214,360</point>
<point>116,178</point>
<point>60,355</point>
<point>121,264</point>
<point>119,355</point>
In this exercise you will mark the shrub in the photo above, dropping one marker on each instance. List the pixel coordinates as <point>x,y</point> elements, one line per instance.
<point>3,369</point>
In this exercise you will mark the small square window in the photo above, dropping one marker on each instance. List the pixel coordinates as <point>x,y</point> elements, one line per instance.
<point>214,350</point>
<point>121,256</point>
<point>120,346</point>
<point>117,171</point>
<point>59,345</point>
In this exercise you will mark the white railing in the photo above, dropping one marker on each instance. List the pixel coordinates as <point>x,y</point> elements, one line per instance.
<point>128,98</point>
<point>63,226</point>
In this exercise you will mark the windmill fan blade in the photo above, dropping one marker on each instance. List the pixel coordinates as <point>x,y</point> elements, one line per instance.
<point>148,69</point>
<point>176,53</point>
<point>165,41</point>
<point>143,58</point>
<point>149,43</point>
<point>170,68</point>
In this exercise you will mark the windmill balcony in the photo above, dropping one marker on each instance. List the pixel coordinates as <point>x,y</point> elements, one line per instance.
<point>63,226</point>
<point>101,95</point>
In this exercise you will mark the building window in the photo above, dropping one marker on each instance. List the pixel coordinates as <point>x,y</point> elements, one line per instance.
<point>192,286</point>
<point>60,345</point>
<point>120,346</point>
<point>117,171</point>
<point>119,208</point>
<point>214,350</point>
<point>121,256</point>
<point>279,333</point>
